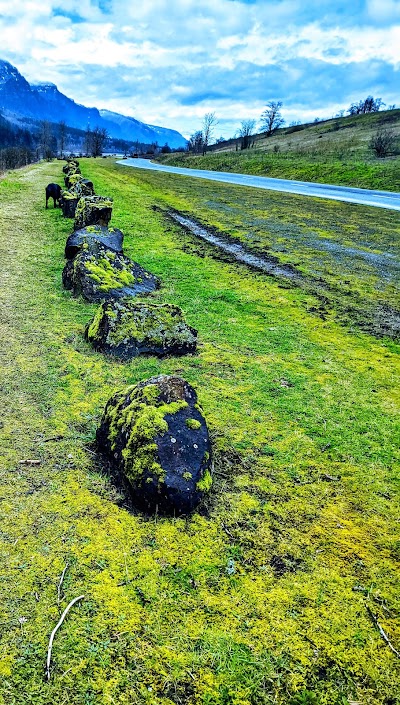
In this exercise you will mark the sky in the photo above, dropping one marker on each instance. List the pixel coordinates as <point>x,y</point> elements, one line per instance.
<point>169,62</point>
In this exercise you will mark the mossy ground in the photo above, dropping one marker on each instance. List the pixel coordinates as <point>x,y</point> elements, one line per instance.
<point>262,596</point>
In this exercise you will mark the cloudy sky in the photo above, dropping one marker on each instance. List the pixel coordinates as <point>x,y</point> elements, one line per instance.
<point>168,62</point>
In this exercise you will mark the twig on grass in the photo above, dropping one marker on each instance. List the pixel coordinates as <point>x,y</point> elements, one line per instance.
<point>382,632</point>
<point>53,633</point>
<point>60,583</point>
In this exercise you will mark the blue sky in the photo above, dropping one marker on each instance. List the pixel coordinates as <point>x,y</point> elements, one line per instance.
<point>170,62</point>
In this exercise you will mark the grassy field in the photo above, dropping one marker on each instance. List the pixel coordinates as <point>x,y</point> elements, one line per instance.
<point>263,596</point>
<point>334,151</point>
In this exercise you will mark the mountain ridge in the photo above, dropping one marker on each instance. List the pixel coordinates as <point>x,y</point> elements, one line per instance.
<point>43,101</point>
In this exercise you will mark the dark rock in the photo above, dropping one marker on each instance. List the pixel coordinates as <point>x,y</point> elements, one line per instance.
<point>68,203</point>
<point>70,163</point>
<point>71,179</point>
<point>93,210</point>
<point>110,238</point>
<point>99,274</point>
<point>127,328</point>
<point>83,187</point>
<point>157,440</point>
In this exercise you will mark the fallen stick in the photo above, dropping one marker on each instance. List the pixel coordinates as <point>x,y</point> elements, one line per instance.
<point>30,462</point>
<point>382,632</point>
<point>53,633</point>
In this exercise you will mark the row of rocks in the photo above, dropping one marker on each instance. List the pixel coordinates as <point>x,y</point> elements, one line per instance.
<point>154,433</point>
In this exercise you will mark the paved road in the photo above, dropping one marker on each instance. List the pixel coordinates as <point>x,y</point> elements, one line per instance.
<point>379,199</point>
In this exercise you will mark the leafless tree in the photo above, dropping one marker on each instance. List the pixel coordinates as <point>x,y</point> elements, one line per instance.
<point>62,133</point>
<point>99,137</point>
<point>246,131</point>
<point>195,143</point>
<point>45,140</point>
<point>382,142</point>
<point>368,105</point>
<point>209,122</point>
<point>272,118</point>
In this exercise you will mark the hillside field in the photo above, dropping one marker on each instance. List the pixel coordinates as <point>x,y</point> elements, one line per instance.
<point>332,151</point>
<point>272,593</point>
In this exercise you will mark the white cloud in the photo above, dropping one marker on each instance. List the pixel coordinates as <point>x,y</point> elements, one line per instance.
<point>149,59</point>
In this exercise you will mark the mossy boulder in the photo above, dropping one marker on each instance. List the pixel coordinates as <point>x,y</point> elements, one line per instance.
<point>93,210</point>
<point>99,274</point>
<point>156,437</point>
<point>89,238</point>
<point>72,179</point>
<point>71,164</point>
<point>68,203</point>
<point>83,187</point>
<point>127,328</point>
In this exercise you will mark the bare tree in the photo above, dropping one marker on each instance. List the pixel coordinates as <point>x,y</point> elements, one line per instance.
<point>246,131</point>
<point>368,105</point>
<point>209,122</point>
<point>272,118</point>
<point>88,141</point>
<point>46,140</point>
<point>382,142</point>
<point>195,143</point>
<point>62,133</point>
<point>99,137</point>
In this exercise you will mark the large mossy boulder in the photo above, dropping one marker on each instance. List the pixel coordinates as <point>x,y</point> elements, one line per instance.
<point>70,165</point>
<point>68,202</point>
<point>72,179</point>
<point>99,274</point>
<point>157,440</point>
<point>89,238</point>
<point>83,187</point>
<point>93,210</point>
<point>127,328</point>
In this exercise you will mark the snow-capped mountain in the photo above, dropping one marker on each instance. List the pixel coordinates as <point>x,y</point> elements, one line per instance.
<point>43,101</point>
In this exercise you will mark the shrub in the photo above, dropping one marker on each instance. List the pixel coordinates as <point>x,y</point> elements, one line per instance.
<point>383,142</point>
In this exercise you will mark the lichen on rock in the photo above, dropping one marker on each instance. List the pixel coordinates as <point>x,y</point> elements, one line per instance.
<point>71,179</point>
<point>99,274</point>
<point>93,210</point>
<point>144,433</point>
<point>127,328</point>
<point>68,202</point>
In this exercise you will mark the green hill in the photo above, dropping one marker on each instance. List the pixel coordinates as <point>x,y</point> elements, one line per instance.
<point>331,151</point>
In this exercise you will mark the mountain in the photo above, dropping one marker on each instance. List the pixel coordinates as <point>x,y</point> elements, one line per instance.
<point>43,101</point>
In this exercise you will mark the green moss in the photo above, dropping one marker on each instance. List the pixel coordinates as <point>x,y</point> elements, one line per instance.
<point>142,419</point>
<point>162,620</point>
<point>193,424</point>
<point>106,276</point>
<point>74,179</point>
<point>205,484</point>
<point>159,325</point>
<point>93,327</point>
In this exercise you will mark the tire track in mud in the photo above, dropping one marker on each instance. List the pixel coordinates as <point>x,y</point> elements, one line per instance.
<point>379,320</point>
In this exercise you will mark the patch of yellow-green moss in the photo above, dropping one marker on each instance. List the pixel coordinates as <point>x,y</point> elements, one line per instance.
<point>194,424</point>
<point>106,276</point>
<point>205,484</point>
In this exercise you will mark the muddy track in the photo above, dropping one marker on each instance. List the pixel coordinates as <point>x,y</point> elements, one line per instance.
<point>379,320</point>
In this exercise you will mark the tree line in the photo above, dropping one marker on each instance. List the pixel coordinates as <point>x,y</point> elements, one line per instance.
<point>271,119</point>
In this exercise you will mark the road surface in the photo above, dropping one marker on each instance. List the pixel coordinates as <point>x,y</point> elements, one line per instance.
<point>365,197</point>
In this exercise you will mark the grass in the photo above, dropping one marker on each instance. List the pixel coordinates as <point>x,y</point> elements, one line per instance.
<point>261,596</point>
<point>334,151</point>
